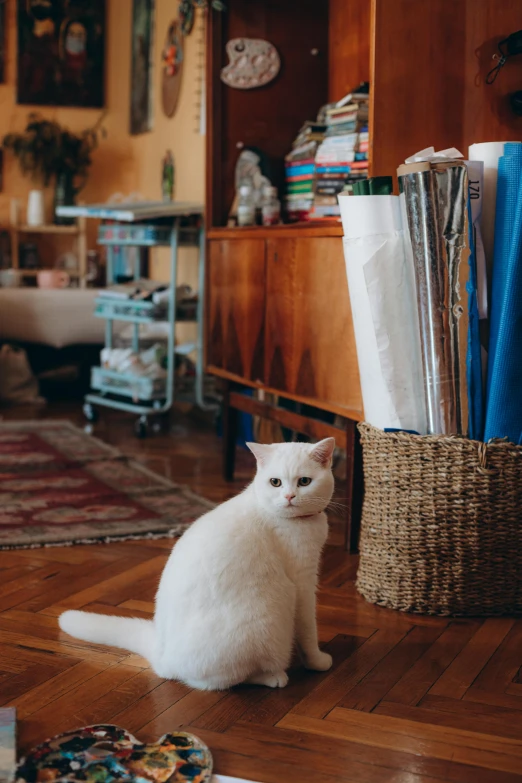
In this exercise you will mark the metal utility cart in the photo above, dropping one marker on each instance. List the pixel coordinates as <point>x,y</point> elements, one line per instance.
<point>150,224</point>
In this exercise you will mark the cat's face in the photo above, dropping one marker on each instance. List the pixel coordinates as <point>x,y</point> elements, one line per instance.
<point>294,479</point>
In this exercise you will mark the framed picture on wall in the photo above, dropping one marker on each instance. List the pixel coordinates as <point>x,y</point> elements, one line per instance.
<point>61,52</point>
<point>142,66</point>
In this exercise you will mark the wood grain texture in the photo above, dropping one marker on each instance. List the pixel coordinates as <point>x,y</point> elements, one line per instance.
<point>282,231</point>
<point>417,78</point>
<point>236,307</point>
<point>348,46</point>
<point>487,112</point>
<point>429,62</point>
<point>409,698</point>
<point>310,346</point>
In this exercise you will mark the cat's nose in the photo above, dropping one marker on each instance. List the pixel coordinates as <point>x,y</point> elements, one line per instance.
<point>289,497</point>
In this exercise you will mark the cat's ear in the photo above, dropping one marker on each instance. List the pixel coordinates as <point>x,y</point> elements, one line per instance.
<point>323,451</point>
<point>261,451</point>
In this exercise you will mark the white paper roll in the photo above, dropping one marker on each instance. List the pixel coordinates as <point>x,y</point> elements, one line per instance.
<point>489,152</point>
<point>384,309</point>
<point>369,215</point>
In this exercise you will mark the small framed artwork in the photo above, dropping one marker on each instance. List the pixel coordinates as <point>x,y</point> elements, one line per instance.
<point>142,66</point>
<point>61,52</point>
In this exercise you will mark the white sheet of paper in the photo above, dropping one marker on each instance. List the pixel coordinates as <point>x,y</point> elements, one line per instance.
<point>381,282</point>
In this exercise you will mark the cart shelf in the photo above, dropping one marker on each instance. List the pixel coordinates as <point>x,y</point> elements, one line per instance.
<point>148,225</point>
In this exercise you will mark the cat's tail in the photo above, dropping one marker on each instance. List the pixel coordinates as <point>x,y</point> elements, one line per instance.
<point>131,633</point>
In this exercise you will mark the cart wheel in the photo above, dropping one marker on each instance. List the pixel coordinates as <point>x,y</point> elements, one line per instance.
<point>161,423</point>
<point>90,413</point>
<point>141,427</point>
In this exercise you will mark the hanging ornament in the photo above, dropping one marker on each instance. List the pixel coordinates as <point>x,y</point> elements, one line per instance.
<point>253,63</point>
<point>172,58</point>
<point>186,16</point>
<point>187,12</point>
<point>167,176</point>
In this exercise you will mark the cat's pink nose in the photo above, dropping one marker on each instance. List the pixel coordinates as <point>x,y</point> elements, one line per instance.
<point>289,497</point>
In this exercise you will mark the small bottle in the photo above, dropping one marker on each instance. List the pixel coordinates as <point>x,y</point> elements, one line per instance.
<point>271,206</point>
<point>167,177</point>
<point>246,208</point>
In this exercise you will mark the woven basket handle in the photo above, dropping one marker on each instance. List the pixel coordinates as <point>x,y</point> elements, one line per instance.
<point>483,460</point>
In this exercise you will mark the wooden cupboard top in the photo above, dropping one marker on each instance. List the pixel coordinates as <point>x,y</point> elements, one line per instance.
<point>290,231</point>
<point>356,414</point>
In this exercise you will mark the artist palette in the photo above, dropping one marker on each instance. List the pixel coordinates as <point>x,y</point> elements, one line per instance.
<point>109,754</point>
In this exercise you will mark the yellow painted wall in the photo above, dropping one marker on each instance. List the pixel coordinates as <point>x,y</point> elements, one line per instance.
<point>123,163</point>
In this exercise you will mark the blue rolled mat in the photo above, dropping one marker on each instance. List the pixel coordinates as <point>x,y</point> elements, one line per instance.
<point>504,400</point>
<point>474,357</point>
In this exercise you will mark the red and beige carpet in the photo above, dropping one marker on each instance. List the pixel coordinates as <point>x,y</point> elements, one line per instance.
<point>59,485</point>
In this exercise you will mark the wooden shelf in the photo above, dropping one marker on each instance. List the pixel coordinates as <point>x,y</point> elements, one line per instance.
<point>282,231</point>
<point>47,229</point>
<point>77,234</point>
<point>34,272</point>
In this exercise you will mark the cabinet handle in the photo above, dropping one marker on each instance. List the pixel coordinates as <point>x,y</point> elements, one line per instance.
<point>275,256</point>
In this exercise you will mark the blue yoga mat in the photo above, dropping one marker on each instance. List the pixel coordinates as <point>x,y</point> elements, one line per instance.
<point>474,358</point>
<point>504,399</point>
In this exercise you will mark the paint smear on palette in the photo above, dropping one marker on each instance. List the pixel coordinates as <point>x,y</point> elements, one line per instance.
<point>7,744</point>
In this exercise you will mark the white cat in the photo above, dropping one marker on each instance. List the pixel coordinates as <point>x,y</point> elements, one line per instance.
<point>239,586</point>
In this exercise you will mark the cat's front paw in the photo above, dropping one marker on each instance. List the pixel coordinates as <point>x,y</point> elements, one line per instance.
<point>319,661</point>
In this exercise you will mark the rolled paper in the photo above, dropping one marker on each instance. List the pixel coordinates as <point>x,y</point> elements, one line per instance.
<point>409,168</point>
<point>504,402</point>
<point>489,152</point>
<point>369,215</point>
<point>382,295</point>
<point>437,207</point>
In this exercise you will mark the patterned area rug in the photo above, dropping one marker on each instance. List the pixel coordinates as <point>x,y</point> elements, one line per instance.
<point>59,485</point>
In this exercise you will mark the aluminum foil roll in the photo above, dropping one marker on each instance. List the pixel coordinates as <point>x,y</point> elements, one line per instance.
<point>437,208</point>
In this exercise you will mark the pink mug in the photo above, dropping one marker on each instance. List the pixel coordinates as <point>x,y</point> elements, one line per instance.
<point>53,278</point>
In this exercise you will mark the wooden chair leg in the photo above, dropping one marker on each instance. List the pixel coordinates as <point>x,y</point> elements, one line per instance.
<point>230,419</point>
<point>354,488</point>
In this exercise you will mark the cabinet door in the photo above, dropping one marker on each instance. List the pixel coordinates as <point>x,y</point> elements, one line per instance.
<point>236,307</point>
<point>310,348</point>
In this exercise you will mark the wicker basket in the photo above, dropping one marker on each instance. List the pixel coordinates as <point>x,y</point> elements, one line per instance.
<point>441,530</point>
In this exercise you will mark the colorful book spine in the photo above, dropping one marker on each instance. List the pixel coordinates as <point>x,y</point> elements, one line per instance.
<point>335,169</point>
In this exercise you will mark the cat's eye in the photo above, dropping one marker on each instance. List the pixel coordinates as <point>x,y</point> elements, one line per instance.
<point>304,482</point>
<point>275,482</point>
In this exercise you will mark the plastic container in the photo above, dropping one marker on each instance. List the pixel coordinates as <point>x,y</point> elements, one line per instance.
<point>246,208</point>
<point>271,207</point>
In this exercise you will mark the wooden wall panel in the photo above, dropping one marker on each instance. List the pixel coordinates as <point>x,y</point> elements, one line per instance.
<point>487,113</point>
<point>417,78</point>
<point>236,307</point>
<point>310,347</point>
<point>429,61</point>
<point>349,46</point>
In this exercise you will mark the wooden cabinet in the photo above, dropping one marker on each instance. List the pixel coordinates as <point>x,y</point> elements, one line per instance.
<point>309,347</point>
<point>279,318</point>
<point>236,307</point>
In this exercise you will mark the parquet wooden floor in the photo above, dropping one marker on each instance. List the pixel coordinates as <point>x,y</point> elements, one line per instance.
<point>409,699</point>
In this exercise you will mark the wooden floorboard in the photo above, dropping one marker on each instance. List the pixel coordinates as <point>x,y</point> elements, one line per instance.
<point>409,699</point>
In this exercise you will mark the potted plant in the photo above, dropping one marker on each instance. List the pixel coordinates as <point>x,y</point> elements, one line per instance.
<point>46,151</point>
<point>73,162</point>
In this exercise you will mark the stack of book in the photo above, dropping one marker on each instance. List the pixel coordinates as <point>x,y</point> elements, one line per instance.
<point>342,157</point>
<point>300,171</point>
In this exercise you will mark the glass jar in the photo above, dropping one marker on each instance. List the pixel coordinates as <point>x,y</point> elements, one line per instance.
<point>246,208</point>
<point>271,207</point>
